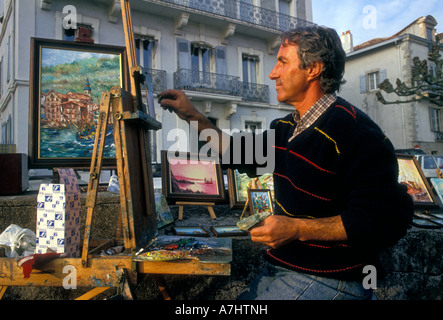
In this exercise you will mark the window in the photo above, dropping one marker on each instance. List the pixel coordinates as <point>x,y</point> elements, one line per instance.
<point>249,68</point>
<point>429,32</point>
<point>71,34</point>
<point>200,58</point>
<point>253,126</point>
<point>144,50</point>
<point>7,131</point>
<point>436,119</point>
<point>1,78</point>
<point>373,80</point>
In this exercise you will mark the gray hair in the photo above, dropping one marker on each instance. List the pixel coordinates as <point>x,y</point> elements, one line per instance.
<point>319,44</point>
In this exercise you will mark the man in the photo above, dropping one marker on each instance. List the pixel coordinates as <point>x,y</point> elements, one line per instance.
<point>338,200</point>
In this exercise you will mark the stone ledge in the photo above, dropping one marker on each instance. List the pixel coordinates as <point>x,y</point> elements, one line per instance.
<point>413,268</point>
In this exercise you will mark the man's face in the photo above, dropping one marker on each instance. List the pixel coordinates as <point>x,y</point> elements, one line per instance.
<point>290,81</point>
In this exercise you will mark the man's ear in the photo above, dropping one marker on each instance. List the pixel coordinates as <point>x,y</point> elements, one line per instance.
<point>315,70</point>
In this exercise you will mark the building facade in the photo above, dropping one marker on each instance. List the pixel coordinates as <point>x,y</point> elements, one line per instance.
<point>406,124</point>
<point>219,51</point>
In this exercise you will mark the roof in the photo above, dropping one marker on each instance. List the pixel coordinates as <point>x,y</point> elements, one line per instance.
<point>399,33</point>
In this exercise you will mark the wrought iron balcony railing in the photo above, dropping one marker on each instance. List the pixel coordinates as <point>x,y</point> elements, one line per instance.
<point>244,12</point>
<point>158,78</point>
<point>255,92</point>
<point>186,79</point>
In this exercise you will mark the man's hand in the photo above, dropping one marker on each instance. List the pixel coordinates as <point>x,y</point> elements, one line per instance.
<point>177,101</point>
<point>276,230</point>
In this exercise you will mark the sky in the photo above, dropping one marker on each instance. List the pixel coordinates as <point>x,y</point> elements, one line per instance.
<point>369,19</point>
<point>52,57</point>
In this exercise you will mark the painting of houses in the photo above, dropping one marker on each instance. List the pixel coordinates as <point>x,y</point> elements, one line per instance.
<point>71,84</point>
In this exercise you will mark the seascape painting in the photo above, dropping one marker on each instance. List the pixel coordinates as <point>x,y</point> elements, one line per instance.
<point>186,178</point>
<point>194,177</point>
<point>67,81</point>
<point>71,85</point>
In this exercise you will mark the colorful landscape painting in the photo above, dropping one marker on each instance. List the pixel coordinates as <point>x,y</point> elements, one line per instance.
<point>71,85</point>
<point>260,201</point>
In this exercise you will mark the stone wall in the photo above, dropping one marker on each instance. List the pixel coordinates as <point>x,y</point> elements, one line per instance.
<point>411,270</point>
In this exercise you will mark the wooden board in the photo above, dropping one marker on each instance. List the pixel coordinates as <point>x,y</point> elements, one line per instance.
<point>102,271</point>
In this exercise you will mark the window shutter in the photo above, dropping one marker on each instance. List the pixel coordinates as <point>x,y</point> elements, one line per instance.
<point>362,83</point>
<point>183,54</point>
<point>382,75</point>
<point>220,60</point>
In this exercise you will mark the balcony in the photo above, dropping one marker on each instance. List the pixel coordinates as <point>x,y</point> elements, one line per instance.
<point>241,11</point>
<point>214,83</point>
<point>185,79</point>
<point>158,79</point>
<point>254,92</point>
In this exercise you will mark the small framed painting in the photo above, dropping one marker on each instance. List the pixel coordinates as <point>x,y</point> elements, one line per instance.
<point>260,201</point>
<point>411,175</point>
<point>227,231</point>
<point>186,178</point>
<point>190,231</point>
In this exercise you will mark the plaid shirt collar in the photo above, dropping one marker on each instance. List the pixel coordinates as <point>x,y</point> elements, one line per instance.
<point>312,114</point>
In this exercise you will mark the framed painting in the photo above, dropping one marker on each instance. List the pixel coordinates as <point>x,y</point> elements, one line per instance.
<point>238,184</point>
<point>227,231</point>
<point>260,201</point>
<point>186,178</point>
<point>411,175</point>
<point>67,80</point>
<point>190,231</point>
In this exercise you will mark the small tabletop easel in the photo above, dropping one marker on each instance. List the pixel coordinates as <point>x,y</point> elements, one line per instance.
<point>254,184</point>
<point>208,204</point>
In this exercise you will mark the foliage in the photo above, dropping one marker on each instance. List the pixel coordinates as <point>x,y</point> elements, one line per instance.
<point>426,83</point>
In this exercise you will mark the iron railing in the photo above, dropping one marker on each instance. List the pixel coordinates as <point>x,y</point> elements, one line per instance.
<point>254,92</point>
<point>244,12</point>
<point>186,79</point>
<point>158,79</point>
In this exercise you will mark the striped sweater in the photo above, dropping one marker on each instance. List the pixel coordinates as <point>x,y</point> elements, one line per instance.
<point>344,165</point>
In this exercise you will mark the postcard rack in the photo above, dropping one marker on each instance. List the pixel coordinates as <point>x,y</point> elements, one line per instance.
<point>137,223</point>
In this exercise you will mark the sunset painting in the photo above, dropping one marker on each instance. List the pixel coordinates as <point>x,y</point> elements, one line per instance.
<point>186,178</point>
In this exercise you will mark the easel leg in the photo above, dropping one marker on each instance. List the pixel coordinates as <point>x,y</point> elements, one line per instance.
<point>161,284</point>
<point>91,294</point>
<point>2,291</point>
<point>180,213</point>
<point>211,212</point>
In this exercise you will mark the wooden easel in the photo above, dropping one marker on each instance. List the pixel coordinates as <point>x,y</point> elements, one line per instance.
<point>207,204</point>
<point>137,221</point>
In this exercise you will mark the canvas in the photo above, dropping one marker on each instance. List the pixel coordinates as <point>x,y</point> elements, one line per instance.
<point>238,184</point>
<point>413,178</point>
<point>185,178</point>
<point>68,80</point>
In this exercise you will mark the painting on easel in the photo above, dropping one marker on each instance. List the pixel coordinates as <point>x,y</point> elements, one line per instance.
<point>67,81</point>
<point>187,178</point>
